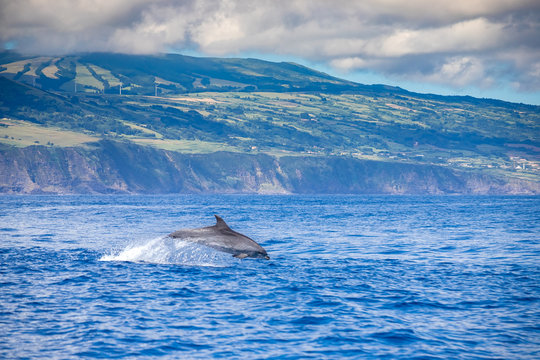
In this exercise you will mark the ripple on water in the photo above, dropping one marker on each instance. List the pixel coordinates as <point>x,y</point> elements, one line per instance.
<point>350,277</point>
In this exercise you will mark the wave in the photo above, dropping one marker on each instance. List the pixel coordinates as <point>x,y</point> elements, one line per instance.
<point>166,250</point>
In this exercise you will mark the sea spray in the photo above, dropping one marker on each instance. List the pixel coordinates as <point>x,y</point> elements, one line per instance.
<point>166,250</point>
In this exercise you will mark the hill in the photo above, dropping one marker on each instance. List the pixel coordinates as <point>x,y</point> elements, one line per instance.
<point>172,73</point>
<point>180,107</point>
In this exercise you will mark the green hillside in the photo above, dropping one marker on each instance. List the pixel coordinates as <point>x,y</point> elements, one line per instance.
<point>248,106</point>
<point>170,73</point>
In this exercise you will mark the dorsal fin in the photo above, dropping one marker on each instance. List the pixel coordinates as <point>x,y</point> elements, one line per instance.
<point>220,223</point>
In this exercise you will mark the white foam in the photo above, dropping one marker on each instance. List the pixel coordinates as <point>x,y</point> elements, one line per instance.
<point>166,250</point>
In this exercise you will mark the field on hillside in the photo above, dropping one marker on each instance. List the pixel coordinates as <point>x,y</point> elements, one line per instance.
<point>22,133</point>
<point>396,128</point>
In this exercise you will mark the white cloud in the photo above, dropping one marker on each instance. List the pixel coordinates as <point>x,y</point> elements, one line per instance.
<point>471,35</point>
<point>457,43</point>
<point>349,63</point>
<point>460,72</point>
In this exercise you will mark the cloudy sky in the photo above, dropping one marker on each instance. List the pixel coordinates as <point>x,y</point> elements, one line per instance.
<point>486,48</point>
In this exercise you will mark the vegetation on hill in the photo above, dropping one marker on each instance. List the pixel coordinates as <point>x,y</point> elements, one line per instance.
<point>204,105</point>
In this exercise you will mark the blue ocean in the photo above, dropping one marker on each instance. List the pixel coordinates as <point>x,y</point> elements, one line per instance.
<point>350,277</point>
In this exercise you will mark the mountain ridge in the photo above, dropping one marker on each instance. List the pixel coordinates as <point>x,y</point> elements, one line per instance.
<point>7,56</point>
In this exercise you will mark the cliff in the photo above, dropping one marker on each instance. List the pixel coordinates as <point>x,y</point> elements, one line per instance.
<point>122,167</point>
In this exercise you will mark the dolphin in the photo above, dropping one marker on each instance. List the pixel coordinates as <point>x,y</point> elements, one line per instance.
<point>221,237</point>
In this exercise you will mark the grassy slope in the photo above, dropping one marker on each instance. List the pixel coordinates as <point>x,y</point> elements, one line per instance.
<point>23,133</point>
<point>103,72</point>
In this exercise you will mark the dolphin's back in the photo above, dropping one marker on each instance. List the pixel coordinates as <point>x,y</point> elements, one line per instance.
<point>222,237</point>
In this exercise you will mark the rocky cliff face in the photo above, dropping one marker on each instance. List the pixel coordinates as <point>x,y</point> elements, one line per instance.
<point>115,167</point>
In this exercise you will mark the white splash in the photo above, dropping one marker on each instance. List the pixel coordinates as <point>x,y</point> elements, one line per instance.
<point>166,250</point>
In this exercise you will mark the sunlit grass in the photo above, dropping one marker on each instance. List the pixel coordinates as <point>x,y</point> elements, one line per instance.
<point>22,133</point>
<point>84,77</point>
<point>185,146</point>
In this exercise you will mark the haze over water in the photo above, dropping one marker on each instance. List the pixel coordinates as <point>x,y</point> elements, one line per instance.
<point>349,277</point>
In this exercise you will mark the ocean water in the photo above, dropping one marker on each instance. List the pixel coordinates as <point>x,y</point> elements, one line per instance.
<point>350,277</point>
